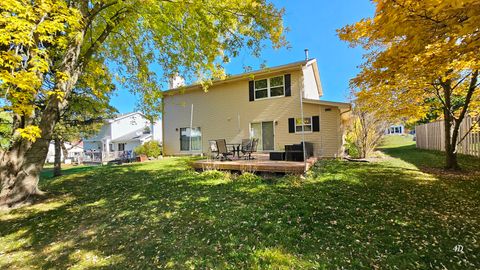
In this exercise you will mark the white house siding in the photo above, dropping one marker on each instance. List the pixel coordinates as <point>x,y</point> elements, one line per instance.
<point>157,131</point>
<point>73,152</point>
<point>104,131</point>
<point>130,146</point>
<point>311,87</point>
<point>92,145</point>
<point>111,133</point>
<point>127,125</point>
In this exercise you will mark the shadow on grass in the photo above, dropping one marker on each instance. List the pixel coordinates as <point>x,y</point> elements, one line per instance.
<point>47,174</point>
<point>161,214</point>
<point>428,159</point>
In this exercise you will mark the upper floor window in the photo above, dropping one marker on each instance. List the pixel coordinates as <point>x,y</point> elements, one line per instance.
<point>271,87</point>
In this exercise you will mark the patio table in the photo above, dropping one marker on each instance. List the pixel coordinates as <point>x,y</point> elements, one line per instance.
<point>236,148</point>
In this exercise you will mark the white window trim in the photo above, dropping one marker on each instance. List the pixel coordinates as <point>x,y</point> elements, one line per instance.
<point>311,125</point>
<point>268,88</point>
<point>274,134</point>
<point>191,151</point>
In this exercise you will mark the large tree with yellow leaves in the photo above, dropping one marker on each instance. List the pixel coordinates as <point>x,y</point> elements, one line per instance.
<point>422,56</point>
<point>46,46</point>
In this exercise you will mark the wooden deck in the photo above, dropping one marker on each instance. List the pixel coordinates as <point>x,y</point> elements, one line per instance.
<point>261,163</point>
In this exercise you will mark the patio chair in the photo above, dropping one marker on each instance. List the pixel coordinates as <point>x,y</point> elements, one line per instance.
<point>250,147</point>
<point>223,150</point>
<point>246,146</point>
<point>214,149</point>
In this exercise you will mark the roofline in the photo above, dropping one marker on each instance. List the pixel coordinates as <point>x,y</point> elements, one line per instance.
<point>133,139</point>
<point>291,66</point>
<point>316,73</point>
<point>342,105</point>
<point>124,116</point>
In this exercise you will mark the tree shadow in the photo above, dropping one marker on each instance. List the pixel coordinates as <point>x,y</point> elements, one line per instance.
<point>162,214</point>
<point>432,161</point>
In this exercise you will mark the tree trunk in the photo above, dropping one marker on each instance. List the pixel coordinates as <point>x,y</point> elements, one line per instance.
<point>21,165</point>
<point>57,165</point>
<point>451,162</point>
<point>20,169</point>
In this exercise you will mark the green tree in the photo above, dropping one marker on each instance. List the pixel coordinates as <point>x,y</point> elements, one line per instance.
<point>47,46</point>
<point>149,149</point>
<point>423,58</point>
<point>83,117</point>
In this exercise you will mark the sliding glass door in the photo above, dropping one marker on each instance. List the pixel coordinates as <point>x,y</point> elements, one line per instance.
<point>264,132</point>
<point>190,140</point>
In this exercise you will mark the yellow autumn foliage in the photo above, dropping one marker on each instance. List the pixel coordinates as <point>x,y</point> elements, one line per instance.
<point>30,133</point>
<point>415,49</point>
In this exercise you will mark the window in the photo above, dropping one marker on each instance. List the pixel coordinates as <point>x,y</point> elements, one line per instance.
<point>277,86</point>
<point>190,140</point>
<point>261,89</point>
<point>133,120</point>
<point>121,147</point>
<point>272,87</point>
<point>307,125</point>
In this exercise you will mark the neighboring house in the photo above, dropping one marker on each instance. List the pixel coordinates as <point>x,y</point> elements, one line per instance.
<point>118,137</point>
<point>74,150</point>
<point>395,130</point>
<point>265,104</point>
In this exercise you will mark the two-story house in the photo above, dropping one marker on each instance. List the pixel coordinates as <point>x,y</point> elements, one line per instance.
<point>121,135</point>
<point>267,104</point>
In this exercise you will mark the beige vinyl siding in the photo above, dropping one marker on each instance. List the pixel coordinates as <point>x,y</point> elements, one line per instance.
<point>217,113</point>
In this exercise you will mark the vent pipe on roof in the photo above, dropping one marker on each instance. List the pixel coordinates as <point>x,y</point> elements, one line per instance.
<point>306,55</point>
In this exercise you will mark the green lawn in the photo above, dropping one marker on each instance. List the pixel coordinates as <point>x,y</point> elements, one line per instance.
<point>403,213</point>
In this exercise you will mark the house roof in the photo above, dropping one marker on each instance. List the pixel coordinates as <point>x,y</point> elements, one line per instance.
<point>248,75</point>
<point>345,108</point>
<point>341,105</point>
<point>122,116</point>
<point>136,135</point>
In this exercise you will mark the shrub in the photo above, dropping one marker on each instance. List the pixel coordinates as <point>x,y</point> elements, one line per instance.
<point>150,149</point>
<point>352,149</point>
<point>364,133</point>
<point>249,177</point>
<point>214,174</point>
<point>290,180</point>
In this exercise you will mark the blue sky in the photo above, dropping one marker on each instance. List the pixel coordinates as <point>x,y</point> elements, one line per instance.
<point>312,24</point>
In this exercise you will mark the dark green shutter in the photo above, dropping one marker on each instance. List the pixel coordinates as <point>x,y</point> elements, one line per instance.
<point>291,125</point>
<point>251,91</point>
<point>288,85</point>
<point>316,123</point>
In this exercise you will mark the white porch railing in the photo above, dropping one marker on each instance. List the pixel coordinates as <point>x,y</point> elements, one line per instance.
<point>107,156</point>
<point>115,155</point>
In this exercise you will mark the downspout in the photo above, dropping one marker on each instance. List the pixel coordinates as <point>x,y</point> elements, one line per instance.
<point>162,136</point>
<point>303,126</point>
<point>191,128</point>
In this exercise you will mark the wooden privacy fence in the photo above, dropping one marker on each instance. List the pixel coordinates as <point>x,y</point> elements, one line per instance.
<point>432,136</point>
